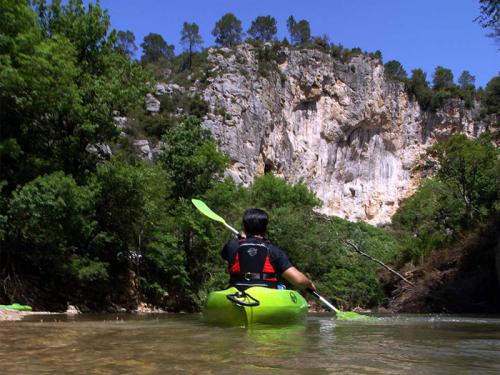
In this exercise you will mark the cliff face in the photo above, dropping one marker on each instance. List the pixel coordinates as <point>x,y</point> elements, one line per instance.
<point>353,136</point>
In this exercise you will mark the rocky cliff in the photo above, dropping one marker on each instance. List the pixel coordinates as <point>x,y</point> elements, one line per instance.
<point>354,136</point>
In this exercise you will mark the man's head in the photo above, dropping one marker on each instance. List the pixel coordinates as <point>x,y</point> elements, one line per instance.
<point>255,221</point>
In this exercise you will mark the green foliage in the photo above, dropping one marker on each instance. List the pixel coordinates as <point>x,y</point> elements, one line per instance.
<point>266,58</point>
<point>191,159</point>
<point>61,79</point>
<point>272,192</point>
<point>263,28</point>
<point>228,31</point>
<point>155,48</point>
<point>394,69</point>
<point>467,81</point>
<point>300,32</point>
<point>429,219</point>
<point>464,192</point>
<point>442,79</point>
<point>125,42</point>
<point>51,215</point>
<point>492,97</point>
<point>191,39</point>
<point>470,170</point>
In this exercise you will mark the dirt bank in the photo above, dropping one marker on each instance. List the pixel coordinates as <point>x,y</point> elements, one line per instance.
<point>458,279</point>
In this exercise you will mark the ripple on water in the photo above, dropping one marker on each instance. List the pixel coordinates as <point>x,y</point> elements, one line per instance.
<point>420,344</point>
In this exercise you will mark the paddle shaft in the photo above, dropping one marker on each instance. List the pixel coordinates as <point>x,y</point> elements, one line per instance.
<point>231,228</point>
<point>323,300</point>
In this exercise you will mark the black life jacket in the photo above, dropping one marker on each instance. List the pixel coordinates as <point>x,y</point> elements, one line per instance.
<point>252,265</point>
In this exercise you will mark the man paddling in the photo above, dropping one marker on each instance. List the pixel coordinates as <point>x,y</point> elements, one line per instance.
<point>254,261</point>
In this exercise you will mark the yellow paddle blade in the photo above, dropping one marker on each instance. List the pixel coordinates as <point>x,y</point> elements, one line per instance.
<point>351,315</point>
<point>205,210</point>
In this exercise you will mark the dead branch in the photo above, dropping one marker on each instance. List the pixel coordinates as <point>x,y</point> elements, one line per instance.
<point>356,249</point>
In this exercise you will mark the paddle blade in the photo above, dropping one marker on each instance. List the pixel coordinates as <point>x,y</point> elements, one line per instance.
<point>351,315</point>
<point>205,210</point>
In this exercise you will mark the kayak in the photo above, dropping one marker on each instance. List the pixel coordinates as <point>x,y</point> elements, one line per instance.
<point>16,306</point>
<point>256,305</point>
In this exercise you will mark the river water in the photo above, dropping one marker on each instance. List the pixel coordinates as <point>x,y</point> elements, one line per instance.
<point>183,344</point>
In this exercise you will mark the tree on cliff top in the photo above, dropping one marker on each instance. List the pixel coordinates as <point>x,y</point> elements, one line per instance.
<point>300,32</point>
<point>191,39</point>
<point>394,69</point>
<point>467,81</point>
<point>228,31</point>
<point>155,48</point>
<point>442,79</point>
<point>263,28</point>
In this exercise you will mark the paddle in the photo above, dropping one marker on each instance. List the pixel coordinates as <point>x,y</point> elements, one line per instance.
<point>346,315</point>
<point>205,210</point>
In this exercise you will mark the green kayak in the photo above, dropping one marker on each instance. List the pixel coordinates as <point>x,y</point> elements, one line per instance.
<point>16,306</point>
<point>256,305</point>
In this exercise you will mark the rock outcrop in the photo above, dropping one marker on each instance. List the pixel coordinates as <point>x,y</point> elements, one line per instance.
<point>353,136</point>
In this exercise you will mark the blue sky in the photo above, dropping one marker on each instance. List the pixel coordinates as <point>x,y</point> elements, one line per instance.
<point>420,34</point>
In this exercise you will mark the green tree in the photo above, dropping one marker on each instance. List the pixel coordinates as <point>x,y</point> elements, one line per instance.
<point>273,192</point>
<point>467,81</point>
<point>59,90</point>
<point>442,79</point>
<point>300,32</point>
<point>492,96</point>
<point>155,48</point>
<point>125,42</point>
<point>394,69</point>
<point>228,31</point>
<point>191,39</point>
<point>419,87</point>
<point>263,28</point>
<point>191,159</point>
<point>428,219</point>
<point>471,170</point>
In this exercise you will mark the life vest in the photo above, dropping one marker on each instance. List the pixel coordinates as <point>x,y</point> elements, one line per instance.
<point>252,266</point>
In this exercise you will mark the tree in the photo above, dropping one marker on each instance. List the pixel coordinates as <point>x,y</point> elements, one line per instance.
<point>59,89</point>
<point>191,39</point>
<point>442,79</point>
<point>419,87</point>
<point>228,31</point>
<point>394,69</point>
<point>492,96</point>
<point>300,32</point>
<point>490,17</point>
<point>466,80</point>
<point>155,48</point>
<point>125,42</point>
<point>263,28</point>
<point>471,171</point>
<point>191,158</point>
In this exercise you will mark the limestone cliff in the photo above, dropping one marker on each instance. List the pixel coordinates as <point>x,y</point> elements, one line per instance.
<point>355,137</point>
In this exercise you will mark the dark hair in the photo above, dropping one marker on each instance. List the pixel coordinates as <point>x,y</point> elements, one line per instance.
<point>255,221</point>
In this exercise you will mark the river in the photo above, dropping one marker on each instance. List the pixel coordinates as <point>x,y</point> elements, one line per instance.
<point>183,344</point>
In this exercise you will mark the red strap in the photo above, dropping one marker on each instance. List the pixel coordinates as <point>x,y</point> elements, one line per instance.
<point>235,268</point>
<point>268,267</point>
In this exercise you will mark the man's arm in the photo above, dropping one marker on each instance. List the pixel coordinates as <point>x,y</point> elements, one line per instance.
<point>297,278</point>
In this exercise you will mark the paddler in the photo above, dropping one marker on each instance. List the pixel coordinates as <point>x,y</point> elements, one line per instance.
<point>255,261</point>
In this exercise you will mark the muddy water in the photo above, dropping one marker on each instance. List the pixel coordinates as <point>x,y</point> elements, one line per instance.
<point>183,344</point>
